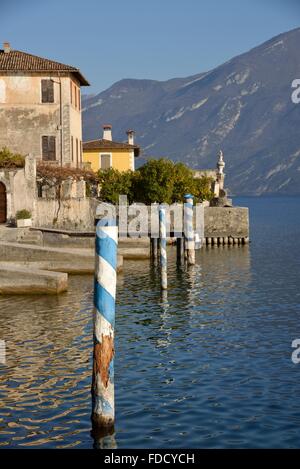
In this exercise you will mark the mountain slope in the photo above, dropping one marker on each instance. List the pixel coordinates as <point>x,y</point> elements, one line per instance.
<point>243,106</point>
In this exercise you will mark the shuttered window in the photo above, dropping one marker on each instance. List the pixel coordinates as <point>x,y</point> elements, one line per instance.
<point>105,161</point>
<point>48,148</point>
<point>47,91</point>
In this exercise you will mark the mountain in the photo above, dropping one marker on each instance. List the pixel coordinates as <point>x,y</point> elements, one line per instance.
<point>243,107</point>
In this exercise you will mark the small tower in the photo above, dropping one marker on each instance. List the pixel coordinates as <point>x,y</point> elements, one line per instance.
<point>220,194</point>
<point>220,170</point>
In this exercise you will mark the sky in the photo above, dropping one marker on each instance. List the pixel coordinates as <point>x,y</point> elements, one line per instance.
<point>150,39</point>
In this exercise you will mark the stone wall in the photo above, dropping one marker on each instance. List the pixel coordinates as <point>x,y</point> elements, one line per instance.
<point>70,214</point>
<point>226,221</point>
<point>20,187</point>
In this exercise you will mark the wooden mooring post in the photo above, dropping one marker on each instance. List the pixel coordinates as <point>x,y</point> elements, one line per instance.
<point>103,405</point>
<point>189,229</point>
<point>180,249</point>
<point>163,248</point>
<point>153,248</point>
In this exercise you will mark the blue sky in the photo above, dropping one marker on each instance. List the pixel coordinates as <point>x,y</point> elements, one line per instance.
<point>154,39</point>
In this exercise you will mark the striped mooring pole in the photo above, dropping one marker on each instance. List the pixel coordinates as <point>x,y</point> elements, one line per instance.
<point>163,248</point>
<point>189,229</point>
<point>103,405</point>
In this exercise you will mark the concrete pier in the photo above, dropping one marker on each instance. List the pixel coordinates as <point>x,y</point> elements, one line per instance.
<point>23,280</point>
<point>73,261</point>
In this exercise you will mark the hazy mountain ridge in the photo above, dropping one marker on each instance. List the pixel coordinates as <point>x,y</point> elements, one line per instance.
<point>243,106</point>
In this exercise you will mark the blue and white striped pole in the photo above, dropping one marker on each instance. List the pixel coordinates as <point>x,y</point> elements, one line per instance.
<point>189,229</point>
<point>103,405</point>
<point>163,248</point>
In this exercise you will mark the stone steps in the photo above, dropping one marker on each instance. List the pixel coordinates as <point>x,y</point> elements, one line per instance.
<point>31,237</point>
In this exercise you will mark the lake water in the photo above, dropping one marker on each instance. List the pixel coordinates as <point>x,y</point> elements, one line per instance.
<point>207,366</point>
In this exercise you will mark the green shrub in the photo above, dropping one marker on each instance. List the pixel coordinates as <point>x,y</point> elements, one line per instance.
<point>23,214</point>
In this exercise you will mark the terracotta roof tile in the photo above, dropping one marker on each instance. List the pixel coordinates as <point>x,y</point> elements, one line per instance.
<point>102,144</point>
<point>16,61</point>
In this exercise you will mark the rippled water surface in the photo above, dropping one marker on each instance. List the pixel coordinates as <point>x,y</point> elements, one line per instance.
<point>207,365</point>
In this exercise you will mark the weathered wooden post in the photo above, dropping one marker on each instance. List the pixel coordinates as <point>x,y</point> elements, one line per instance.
<point>153,248</point>
<point>189,229</point>
<point>103,407</point>
<point>180,249</point>
<point>163,248</point>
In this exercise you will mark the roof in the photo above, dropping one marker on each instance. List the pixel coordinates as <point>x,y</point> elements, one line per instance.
<point>102,144</point>
<point>16,61</point>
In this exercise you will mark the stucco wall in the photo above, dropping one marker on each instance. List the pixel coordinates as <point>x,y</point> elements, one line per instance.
<point>121,160</point>
<point>24,119</point>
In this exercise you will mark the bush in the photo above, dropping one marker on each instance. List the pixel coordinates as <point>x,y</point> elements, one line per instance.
<point>11,160</point>
<point>23,214</point>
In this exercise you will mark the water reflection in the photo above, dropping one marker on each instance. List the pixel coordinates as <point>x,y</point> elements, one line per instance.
<point>42,387</point>
<point>103,438</point>
<point>204,364</point>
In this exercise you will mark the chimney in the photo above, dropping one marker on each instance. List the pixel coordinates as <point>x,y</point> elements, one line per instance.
<point>130,134</point>
<point>107,132</point>
<point>6,47</point>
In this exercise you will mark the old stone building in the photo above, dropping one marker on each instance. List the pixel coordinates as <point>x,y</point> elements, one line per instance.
<point>40,107</point>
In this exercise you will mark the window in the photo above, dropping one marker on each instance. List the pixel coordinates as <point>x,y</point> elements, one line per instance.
<point>80,151</point>
<point>72,148</point>
<point>48,148</point>
<point>105,161</point>
<point>47,91</point>
<point>79,105</point>
<point>71,92</point>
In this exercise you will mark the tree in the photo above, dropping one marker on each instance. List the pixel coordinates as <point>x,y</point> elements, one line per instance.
<point>183,182</point>
<point>114,183</point>
<point>202,188</point>
<point>154,182</point>
<point>159,181</point>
